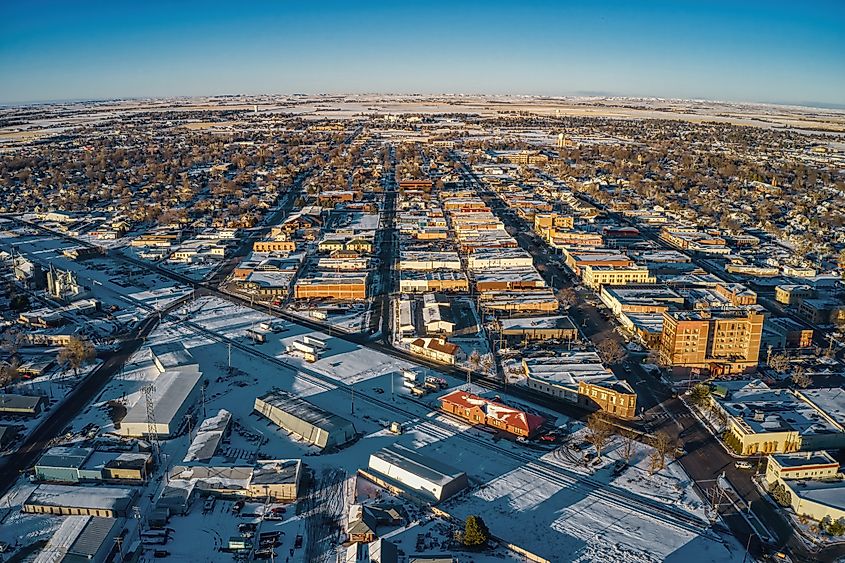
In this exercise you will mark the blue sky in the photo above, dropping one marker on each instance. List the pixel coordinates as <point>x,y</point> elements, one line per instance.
<point>740,50</point>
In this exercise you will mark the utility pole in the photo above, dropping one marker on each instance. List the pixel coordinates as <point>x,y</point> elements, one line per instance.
<point>230,356</point>
<point>151,420</point>
<point>352,388</point>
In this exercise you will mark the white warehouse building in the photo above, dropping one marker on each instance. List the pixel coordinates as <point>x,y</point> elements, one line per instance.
<point>176,392</point>
<point>416,473</point>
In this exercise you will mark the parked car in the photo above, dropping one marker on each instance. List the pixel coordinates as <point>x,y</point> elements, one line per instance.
<point>160,553</point>
<point>297,543</point>
<point>742,464</point>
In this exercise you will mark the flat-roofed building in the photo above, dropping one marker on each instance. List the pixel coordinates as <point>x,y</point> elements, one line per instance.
<point>274,479</point>
<point>503,279</point>
<point>578,260</point>
<point>274,246</point>
<point>791,294</point>
<point>416,473</point>
<point>308,421</point>
<point>170,355</point>
<point>527,329</point>
<point>541,300</point>
<point>640,298</point>
<point>717,341</point>
<point>332,285</point>
<point>498,258</point>
<point>801,465</point>
<point>580,377</point>
<point>65,500</point>
<point>429,260</point>
<point>595,277</point>
<point>419,281</point>
<point>62,464</point>
<point>761,420</point>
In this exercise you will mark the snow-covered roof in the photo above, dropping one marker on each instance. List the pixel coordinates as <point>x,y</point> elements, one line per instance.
<point>172,389</point>
<point>117,499</point>
<point>422,466</point>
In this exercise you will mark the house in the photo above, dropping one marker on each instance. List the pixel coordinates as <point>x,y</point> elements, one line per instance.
<point>438,350</point>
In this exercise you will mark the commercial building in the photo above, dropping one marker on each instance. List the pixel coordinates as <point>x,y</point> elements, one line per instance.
<point>64,500</point>
<point>277,479</point>
<point>81,538</point>
<point>541,300</point>
<point>528,329</point>
<point>580,377</point>
<point>429,260</point>
<point>416,473</point>
<point>761,420</point>
<point>175,394</point>
<point>209,437</point>
<point>26,405</point>
<point>311,423</point>
<point>595,277</point>
<point>789,294</point>
<point>332,285</point>
<point>817,499</point>
<point>718,341</point>
<point>520,277</point>
<point>420,281</point>
<point>640,298</point>
<point>801,465</point>
<point>497,258</point>
<point>478,410</point>
<point>64,464</point>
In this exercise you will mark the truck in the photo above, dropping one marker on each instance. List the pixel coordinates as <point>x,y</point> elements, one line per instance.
<point>409,375</point>
<point>409,383</point>
<point>256,335</point>
<point>418,391</point>
<point>314,341</point>
<point>396,427</point>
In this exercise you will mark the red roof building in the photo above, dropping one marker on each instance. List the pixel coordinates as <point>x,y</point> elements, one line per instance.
<point>479,410</point>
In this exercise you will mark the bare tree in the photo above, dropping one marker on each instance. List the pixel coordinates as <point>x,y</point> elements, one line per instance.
<point>800,378</point>
<point>9,373</point>
<point>486,363</point>
<point>629,446</point>
<point>473,362</point>
<point>567,297</point>
<point>599,431</point>
<point>778,362</point>
<point>610,351</point>
<point>663,445</point>
<point>75,354</point>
